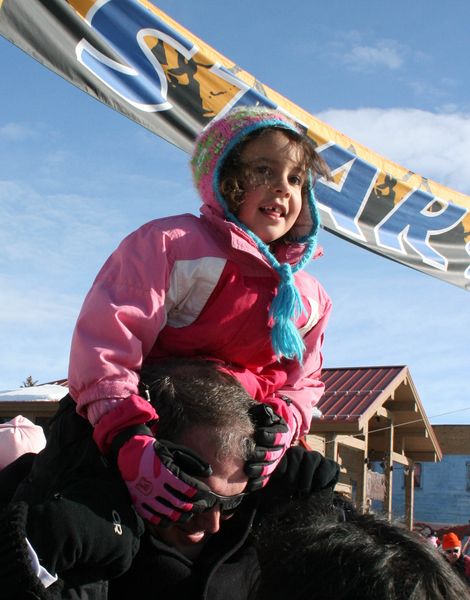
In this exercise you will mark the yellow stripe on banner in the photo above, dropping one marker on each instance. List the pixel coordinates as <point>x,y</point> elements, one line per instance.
<point>215,95</point>
<point>82,6</point>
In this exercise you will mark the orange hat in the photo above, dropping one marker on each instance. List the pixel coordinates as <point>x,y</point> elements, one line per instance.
<point>450,540</point>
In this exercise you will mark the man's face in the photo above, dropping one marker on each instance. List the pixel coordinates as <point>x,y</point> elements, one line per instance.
<point>228,479</point>
<point>452,554</point>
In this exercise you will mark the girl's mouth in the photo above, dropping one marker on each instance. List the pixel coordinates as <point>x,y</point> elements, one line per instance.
<point>274,210</point>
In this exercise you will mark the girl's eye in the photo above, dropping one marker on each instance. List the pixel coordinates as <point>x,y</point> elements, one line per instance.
<point>296,180</point>
<point>258,174</point>
<point>262,170</point>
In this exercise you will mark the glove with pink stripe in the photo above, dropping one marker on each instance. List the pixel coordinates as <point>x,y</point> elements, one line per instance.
<point>273,435</point>
<point>159,476</point>
<point>161,491</point>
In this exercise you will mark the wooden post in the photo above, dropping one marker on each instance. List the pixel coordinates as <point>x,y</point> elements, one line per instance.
<point>331,446</point>
<point>409,495</point>
<point>361,497</point>
<point>388,471</point>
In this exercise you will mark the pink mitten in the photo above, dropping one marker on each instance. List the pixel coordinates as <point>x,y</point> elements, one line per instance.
<point>158,476</point>
<point>161,491</point>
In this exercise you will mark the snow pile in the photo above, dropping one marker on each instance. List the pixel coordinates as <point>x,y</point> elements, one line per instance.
<point>50,391</point>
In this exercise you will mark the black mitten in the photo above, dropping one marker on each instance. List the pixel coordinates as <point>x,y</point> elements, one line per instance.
<point>272,436</point>
<point>18,581</point>
<point>300,473</point>
<point>86,532</point>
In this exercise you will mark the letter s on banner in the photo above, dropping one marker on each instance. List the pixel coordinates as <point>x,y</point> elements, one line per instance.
<point>139,79</point>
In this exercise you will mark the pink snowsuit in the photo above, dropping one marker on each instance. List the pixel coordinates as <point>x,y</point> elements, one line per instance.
<point>188,286</point>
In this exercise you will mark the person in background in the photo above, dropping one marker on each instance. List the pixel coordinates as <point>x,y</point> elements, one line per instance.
<point>451,548</point>
<point>19,436</point>
<point>433,539</point>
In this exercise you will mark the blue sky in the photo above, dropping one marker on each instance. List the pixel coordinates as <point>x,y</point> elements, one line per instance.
<point>76,177</point>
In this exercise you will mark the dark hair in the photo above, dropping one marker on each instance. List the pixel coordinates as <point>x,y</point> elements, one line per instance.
<point>233,176</point>
<point>318,550</point>
<point>189,393</point>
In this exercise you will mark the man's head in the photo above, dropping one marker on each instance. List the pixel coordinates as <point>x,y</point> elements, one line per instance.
<point>207,411</point>
<point>321,550</point>
<point>451,547</point>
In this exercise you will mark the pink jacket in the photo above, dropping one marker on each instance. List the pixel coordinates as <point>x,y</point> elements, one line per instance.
<point>192,286</point>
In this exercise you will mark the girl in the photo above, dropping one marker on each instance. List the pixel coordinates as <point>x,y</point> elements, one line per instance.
<point>227,285</point>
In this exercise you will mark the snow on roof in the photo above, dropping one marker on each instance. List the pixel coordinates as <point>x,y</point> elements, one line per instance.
<point>51,392</point>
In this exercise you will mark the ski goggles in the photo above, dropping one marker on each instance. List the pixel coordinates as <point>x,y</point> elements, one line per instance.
<point>226,504</point>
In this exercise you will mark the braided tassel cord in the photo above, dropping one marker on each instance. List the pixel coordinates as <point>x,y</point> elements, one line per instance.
<point>286,308</point>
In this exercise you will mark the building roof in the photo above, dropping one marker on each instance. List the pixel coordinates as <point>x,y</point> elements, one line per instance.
<point>351,392</point>
<point>32,401</point>
<point>360,400</point>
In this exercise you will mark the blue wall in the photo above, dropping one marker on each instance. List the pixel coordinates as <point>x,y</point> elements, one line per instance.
<point>443,496</point>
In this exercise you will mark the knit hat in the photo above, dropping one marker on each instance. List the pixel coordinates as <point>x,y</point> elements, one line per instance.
<point>212,148</point>
<point>17,437</point>
<point>450,540</point>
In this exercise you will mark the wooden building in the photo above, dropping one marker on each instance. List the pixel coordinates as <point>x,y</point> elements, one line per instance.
<point>373,415</point>
<point>37,403</point>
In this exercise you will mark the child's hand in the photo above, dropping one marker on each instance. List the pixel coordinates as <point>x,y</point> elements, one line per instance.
<point>272,436</point>
<point>158,480</point>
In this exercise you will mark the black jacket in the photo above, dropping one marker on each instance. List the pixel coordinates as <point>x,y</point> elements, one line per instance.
<point>78,499</point>
<point>76,512</point>
<point>227,568</point>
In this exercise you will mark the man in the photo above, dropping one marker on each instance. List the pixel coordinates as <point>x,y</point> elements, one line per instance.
<point>211,556</point>
<point>208,413</point>
<point>78,517</point>
<point>451,548</point>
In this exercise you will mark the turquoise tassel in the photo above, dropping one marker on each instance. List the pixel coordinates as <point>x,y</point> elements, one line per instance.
<point>286,308</point>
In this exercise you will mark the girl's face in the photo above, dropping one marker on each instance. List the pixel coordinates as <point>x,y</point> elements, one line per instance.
<point>275,174</point>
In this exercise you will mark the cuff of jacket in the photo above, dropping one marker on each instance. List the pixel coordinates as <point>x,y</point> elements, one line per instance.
<point>133,410</point>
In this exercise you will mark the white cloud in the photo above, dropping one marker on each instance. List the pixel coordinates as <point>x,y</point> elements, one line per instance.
<point>36,322</point>
<point>15,132</point>
<point>50,232</point>
<point>386,53</point>
<point>435,145</point>
<point>35,306</point>
<point>362,51</point>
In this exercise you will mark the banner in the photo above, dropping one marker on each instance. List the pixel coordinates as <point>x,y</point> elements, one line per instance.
<point>134,58</point>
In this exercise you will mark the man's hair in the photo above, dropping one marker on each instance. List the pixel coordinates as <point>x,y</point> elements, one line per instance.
<point>194,393</point>
<point>319,550</point>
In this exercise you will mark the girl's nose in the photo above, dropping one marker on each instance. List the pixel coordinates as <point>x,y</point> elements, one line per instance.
<point>280,186</point>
